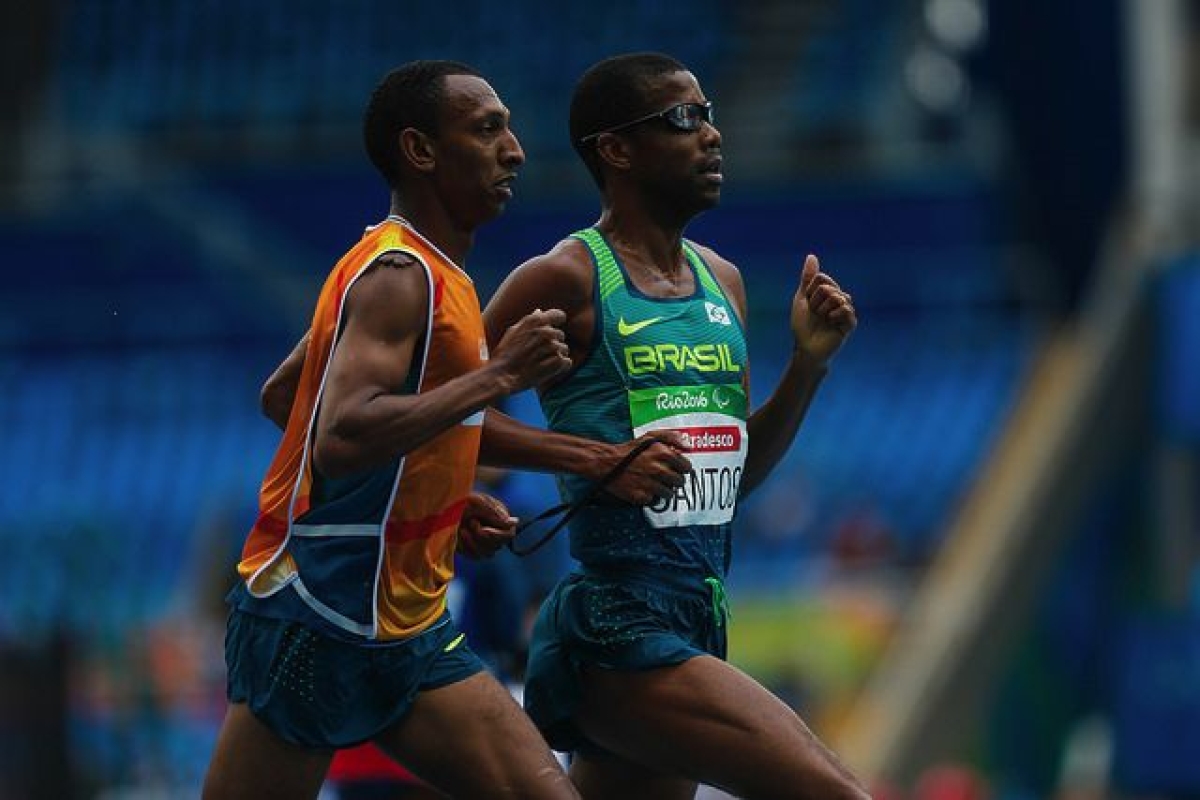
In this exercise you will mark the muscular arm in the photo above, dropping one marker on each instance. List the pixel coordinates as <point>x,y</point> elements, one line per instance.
<point>563,277</point>
<point>821,319</point>
<point>773,426</point>
<point>656,471</point>
<point>279,392</point>
<point>512,444</point>
<point>363,420</point>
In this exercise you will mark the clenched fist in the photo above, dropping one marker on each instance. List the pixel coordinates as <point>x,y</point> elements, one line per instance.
<point>534,349</point>
<point>486,526</point>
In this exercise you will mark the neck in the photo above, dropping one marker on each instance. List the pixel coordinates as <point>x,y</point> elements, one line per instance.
<point>658,245</point>
<point>655,236</point>
<point>432,222</point>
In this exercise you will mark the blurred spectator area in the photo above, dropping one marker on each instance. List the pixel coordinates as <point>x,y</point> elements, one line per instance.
<point>134,407</point>
<point>179,177</point>
<point>295,74</point>
<point>806,86</point>
<point>134,444</point>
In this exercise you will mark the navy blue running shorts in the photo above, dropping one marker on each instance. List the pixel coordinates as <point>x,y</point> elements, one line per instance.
<point>622,623</point>
<point>317,691</point>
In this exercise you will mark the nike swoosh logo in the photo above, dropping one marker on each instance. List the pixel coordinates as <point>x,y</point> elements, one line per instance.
<point>629,328</point>
<point>457,641</point>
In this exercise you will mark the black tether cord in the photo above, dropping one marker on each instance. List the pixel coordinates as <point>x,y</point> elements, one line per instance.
<point>569,510</point>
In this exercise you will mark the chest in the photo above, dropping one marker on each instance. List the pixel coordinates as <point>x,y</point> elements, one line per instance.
<point>674,340</point>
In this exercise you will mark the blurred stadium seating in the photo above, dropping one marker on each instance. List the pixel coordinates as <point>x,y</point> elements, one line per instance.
<point>185,173</point>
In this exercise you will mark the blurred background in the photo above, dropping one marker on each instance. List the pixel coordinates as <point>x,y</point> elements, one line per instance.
<point>977,573</point>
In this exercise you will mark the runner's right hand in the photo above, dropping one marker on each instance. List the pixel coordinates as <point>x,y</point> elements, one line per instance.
<point>534,349</point>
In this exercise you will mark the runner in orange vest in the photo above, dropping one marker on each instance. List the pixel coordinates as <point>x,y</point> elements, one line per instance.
<point>339,632</point>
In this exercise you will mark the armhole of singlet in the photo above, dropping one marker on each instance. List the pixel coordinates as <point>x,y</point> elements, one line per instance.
<point>712,286</point>
<point>598,310</point>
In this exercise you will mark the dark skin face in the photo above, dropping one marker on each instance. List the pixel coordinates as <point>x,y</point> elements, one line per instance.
<point>478,153</point>
<point>468,167</point>
<point>677,173</point>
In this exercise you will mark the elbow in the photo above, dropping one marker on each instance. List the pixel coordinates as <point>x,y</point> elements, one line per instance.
<point>272,401</point>
<point>334,457</point>
<point>348,445</point>
<point>337,451</point>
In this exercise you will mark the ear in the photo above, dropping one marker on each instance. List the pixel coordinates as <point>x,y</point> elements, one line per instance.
<point>417,149</point>
<point>614,151</point>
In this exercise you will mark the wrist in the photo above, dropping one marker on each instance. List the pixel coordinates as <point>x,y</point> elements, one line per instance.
<point>501,381</point>
<point>599,458</point>
<point>809,364</point>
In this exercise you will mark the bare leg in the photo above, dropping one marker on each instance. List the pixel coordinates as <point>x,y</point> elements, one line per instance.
<point>252,762</point>
<point>708,721</point>
<point>611,777</point>
<point>471,739</point>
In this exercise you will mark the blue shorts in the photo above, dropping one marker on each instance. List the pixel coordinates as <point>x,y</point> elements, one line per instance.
<point>325,693</point>
<point>626,622</point>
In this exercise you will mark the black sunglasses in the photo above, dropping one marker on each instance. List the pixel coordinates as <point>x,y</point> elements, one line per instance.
<point>682,117</point>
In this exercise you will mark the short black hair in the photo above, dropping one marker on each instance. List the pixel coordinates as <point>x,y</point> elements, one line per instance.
<point>410,96</point>
<point>611,93</point>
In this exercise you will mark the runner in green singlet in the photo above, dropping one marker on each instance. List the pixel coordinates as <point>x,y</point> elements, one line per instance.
<point>627,664</point>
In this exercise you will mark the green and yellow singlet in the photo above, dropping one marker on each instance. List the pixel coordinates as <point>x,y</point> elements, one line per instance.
<point>659,363</point>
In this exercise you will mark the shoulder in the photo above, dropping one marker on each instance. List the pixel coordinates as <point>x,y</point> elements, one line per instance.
<point>727,274</point>
<point>390,272</point>
<point>395,259</point>
<point>560,278</point>
<point>393,287</point>
<point>724,270</point>
<point>564,271</point>
<point>568,259</point>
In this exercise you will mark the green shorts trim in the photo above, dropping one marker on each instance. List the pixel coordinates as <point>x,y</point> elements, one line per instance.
<point>627,622</point>
<point>325,693</point>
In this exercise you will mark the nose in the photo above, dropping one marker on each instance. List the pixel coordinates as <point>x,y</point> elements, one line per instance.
<point>710,134</point>
<point>511,154</point>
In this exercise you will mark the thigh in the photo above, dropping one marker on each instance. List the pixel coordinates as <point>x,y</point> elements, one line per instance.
<point>251,762</point>
<point>610,777</point>
<point>708,721</point>
<point>471,739</point>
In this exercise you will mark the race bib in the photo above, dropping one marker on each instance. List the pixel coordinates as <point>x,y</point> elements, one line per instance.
<point>712,422</point>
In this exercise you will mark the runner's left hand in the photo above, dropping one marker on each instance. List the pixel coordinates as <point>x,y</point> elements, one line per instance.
<point>823,314</point>
<point>486,526</point>
<point>655,473</point>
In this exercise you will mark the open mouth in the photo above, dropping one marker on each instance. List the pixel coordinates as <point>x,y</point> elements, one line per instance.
<point>712,169</point>
<point>506,182</point>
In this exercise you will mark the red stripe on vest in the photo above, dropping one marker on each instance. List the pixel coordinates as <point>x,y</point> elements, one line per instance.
<point>439,288</point>
<point>408,530</point>
<point>270,525</point>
